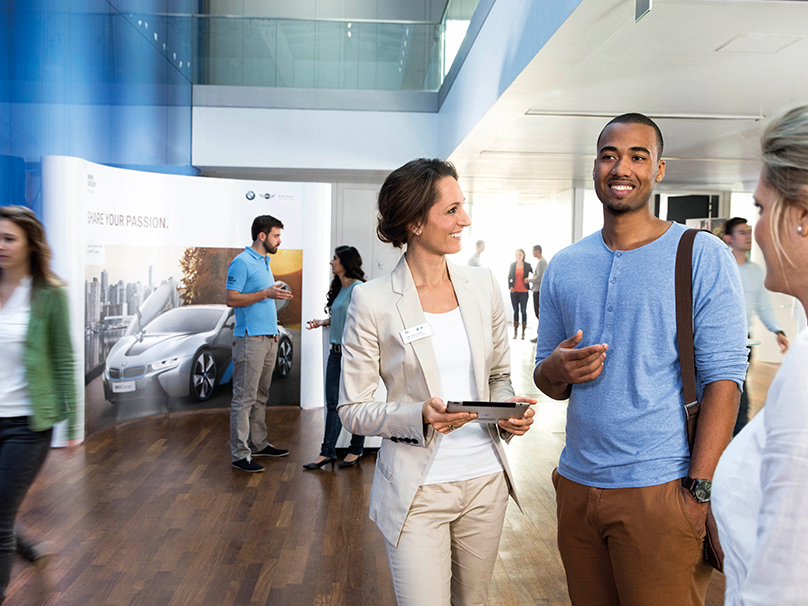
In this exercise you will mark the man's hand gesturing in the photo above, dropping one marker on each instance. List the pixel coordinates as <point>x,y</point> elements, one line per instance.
<point>276,291</point>
<point>568,366</point>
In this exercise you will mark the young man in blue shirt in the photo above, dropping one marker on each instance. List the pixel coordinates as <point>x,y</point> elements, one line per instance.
<point>252,290</point>
<point>630,518</point>
<point>738,236</point>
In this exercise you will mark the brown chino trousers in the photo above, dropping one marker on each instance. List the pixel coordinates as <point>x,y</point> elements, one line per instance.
<point>629,546</point>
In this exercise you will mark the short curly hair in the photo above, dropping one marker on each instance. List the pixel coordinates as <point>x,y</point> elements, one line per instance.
<point>407,195</point>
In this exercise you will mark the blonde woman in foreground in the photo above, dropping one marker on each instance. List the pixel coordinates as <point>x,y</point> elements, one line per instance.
<point>760,487</point>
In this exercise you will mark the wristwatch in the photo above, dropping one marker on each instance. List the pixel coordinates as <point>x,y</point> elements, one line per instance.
<point>700,489</point>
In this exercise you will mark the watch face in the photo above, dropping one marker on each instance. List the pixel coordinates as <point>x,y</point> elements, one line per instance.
<point>702,491</point>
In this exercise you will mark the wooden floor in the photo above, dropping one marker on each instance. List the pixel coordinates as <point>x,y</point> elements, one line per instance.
<point>151,513</point>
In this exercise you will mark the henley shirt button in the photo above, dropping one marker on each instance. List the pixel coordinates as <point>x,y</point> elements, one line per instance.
<point>609,308</point>
<point>613,280</point>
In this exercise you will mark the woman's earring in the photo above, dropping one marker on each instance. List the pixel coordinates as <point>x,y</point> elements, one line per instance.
<point>799,229</point>
<point>418,233</point>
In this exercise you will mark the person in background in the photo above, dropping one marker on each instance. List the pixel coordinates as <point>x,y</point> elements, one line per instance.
<point>738,236</point>
<point>517,284</point>
<point>760,488</point>
<point>252,290</point>
<point>435,332</point>
<point>535,281</point>
<point>346,265</point>
<point>474,260</point>
<point>37,382</point>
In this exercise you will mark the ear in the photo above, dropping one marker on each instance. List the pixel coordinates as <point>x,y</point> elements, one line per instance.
<point>798,213</point>
<point>660,171</point>
<point>414,228</point>
<point>594,166</point>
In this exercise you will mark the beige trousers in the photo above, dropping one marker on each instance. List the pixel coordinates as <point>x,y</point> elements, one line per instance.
<point>448,546</point>
<point>253,365</point>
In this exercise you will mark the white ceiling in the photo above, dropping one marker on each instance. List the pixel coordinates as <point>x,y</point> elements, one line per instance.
<point>721,64</point>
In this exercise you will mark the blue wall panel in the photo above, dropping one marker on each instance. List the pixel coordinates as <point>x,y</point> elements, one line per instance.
<point>109,81</point>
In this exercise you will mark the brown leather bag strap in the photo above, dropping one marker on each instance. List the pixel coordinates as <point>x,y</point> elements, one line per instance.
<point>684,330</point>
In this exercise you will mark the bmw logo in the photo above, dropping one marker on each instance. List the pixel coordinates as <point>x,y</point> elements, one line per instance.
<point>251,195</point>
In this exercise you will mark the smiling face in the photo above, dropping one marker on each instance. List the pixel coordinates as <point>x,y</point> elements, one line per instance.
<point>15,253</point>
<point>627,167</point>
<point>441,232</point>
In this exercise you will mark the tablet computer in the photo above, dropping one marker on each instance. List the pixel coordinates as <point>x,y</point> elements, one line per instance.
<point>490,412</point>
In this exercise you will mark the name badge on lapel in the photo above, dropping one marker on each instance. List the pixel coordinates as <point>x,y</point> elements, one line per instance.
<point>422,331</point>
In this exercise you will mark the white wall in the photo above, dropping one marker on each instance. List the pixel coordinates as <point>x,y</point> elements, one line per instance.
<point>354,224</point>
<point>311,139</point>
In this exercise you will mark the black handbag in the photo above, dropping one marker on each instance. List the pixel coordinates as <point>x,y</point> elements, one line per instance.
<point>713,554</point>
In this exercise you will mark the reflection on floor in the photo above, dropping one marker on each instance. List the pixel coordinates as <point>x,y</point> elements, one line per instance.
<point>150,512</point>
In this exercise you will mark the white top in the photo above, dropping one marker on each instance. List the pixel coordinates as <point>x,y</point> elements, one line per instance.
<point>765,538</point>
<point>14,316</point>
<point>467,452</point>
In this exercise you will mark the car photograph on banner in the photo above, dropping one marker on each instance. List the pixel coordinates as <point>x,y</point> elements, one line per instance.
<point>182,351</point>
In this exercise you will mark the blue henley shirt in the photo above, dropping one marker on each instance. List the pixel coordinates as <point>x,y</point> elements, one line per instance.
<point>627,427</point>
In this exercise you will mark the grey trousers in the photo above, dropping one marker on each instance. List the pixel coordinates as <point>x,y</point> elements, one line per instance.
<point>253,365</point>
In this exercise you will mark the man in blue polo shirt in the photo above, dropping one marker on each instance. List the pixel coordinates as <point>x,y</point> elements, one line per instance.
<point>631,500</point>
<point>251,289</point>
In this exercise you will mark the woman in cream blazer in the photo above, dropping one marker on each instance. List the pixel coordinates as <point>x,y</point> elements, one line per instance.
<point>441,545</point>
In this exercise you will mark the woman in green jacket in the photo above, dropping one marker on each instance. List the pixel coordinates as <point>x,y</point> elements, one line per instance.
<point>37,386</point>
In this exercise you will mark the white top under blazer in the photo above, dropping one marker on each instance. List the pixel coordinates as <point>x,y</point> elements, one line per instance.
<point>373,346</point>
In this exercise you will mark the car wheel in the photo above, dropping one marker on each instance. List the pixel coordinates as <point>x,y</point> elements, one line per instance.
<point>203,376</point>
<point>283,365</point>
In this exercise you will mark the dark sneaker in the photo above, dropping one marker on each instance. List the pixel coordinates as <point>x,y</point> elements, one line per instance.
<point>248,465</point>
<point>271,451</point>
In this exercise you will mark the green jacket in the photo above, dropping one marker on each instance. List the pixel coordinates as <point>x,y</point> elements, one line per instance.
<point>49,361</point>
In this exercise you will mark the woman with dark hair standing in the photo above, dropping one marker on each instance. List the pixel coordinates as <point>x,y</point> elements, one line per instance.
<point>435,332</point>
<point>517,276</point>
<point>346,265</point>
<point>37,386</point>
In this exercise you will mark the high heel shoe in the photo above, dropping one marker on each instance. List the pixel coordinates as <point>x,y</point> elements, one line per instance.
<point>343,464</point>
<point>322,463</point>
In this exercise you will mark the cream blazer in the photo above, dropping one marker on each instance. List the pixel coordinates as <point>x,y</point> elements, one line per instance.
<point>372,346</point>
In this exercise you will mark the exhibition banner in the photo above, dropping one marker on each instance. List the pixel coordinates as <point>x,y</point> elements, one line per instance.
<point>148,258</point>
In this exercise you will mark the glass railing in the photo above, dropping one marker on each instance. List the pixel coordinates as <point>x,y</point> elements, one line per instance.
<point>325,54</point>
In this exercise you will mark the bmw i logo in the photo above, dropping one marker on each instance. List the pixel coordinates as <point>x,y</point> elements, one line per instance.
<point>251,195</point>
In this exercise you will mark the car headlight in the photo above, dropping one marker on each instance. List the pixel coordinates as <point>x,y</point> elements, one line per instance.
<point>165,364</point>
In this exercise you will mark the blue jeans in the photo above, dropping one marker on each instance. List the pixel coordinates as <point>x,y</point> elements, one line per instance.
<point>22,453</point>
<point>332,423</point>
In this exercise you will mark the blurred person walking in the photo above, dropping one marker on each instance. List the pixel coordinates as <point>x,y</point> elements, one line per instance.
<point>37,383</point>
<point>760,487</point>
<point>434,332</point>
<point>346,265</point>
<point>517,284</point>
<point>474,260</point>
<point>738,236</point>
<point>535,281</point>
